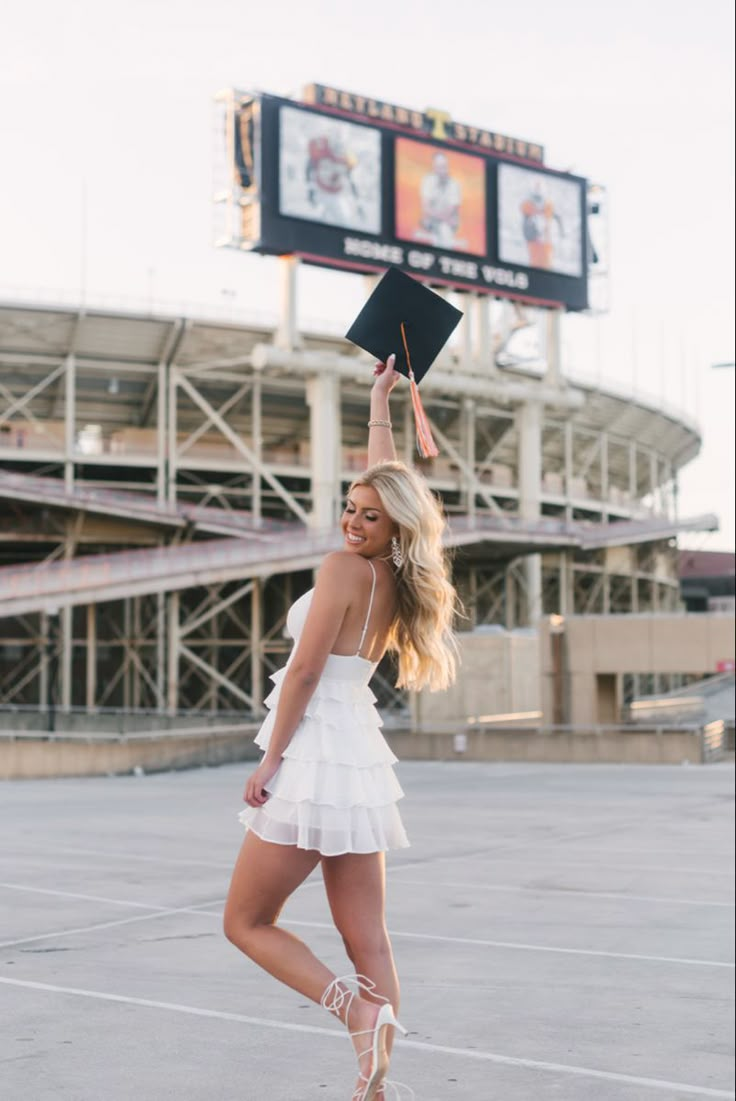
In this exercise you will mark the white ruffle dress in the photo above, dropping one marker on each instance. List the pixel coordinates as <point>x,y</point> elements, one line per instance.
<point>335,790</point>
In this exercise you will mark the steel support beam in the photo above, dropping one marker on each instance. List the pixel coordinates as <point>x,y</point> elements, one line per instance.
<point>20,403</point>
<point>239,445</point>
<point>467,471</point>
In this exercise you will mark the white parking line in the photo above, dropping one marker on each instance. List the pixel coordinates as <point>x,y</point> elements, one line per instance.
<point>87,898</point>
<point>105,925</point>
<point>146,858</point>
<point>569,892</point>
<point>202,909</point>
<point>427,1049</point>
<point>521,947</point>
<point>602,863</point>
<point>513,945</point>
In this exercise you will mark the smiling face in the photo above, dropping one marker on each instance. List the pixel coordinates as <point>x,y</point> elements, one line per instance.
<point>366,525</point>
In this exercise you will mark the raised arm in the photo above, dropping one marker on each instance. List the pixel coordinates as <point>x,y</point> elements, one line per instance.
<point>380,435</point>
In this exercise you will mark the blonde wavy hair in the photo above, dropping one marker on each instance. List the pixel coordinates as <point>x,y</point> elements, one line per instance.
<point>422,632</point>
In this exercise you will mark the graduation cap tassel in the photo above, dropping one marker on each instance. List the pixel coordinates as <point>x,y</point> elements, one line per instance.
<point>425,443</point>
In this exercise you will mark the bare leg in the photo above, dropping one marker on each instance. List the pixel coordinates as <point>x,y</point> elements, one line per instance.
<point>355,884</point>
<point>264,876</point>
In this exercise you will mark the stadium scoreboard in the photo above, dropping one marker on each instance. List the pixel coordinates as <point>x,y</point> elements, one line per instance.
<point>349,182</point>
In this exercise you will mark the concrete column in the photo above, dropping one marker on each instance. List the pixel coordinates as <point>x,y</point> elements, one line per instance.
<point>287,333</point>
<point>172,686</point>
<point>564,581</point>
<point>653,479</point>
<point>553,345</point>
<point>482,347</point>
<point>160,651</point>
<point>633,478</point>
<point>323,398</point>
<point>529,431</point>
<point>529,425</point>
<point>43,666</point>
<point>66,657</point>
<point>70,419</point>
<point>91,686</point>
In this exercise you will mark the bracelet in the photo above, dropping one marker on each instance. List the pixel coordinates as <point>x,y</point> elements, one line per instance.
<point>379,424</point>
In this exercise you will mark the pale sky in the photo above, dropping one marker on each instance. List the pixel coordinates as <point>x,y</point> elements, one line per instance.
<point>107,135</point>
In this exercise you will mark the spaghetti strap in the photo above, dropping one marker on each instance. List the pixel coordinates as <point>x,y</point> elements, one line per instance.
<point>370,608</point>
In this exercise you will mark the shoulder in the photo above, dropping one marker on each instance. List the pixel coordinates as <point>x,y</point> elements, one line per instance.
<point>342,564</point>
<point>340,577</point>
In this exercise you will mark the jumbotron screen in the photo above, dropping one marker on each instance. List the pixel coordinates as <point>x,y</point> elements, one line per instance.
<point>360,193</point>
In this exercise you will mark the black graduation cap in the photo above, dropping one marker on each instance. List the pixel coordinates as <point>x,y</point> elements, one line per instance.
<point>406,318</point>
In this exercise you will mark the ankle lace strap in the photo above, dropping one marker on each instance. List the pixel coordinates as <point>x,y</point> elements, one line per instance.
<point>336,995</point>
<point>399,1091</point>
<point>360,1091</point>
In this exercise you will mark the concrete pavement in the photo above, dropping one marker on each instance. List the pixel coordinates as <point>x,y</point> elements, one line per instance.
<point>561,931</point>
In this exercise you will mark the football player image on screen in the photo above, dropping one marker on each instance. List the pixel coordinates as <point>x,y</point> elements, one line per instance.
<point>331,187</point>
<point>441,197</point>
<point>541,225</point>
<point>329,171</point>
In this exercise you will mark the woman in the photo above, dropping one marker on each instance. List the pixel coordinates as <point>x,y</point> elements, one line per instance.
<point>325,791</point>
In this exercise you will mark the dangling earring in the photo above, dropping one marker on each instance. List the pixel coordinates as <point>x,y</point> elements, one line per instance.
<point>396,555</point>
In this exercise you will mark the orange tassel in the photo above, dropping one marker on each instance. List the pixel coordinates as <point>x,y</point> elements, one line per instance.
<point>425,443</point>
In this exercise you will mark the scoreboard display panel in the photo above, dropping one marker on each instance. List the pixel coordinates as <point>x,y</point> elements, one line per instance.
<point>361,193</point>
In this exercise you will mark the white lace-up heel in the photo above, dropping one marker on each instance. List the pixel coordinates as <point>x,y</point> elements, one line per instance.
<point>398,1091</point>
<point>334,999</point>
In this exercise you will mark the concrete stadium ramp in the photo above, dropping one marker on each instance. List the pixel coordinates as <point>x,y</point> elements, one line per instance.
<point>261,552</point>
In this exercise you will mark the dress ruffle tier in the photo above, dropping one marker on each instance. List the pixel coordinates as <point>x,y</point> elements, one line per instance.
<point>335,789</point>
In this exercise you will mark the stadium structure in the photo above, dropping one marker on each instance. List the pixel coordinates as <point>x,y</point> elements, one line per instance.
<point>169,483</point>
